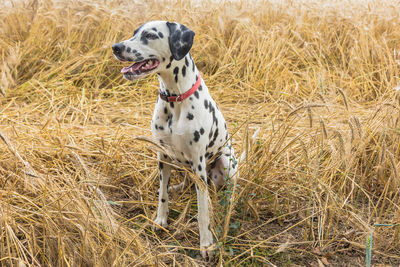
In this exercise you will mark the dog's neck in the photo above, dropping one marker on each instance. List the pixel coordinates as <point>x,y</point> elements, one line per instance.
<point>172,81</point>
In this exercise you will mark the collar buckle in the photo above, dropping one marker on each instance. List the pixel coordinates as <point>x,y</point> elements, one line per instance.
<point>176,98</point>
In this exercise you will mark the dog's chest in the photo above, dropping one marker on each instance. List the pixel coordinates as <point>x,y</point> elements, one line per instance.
<point>189,127</point>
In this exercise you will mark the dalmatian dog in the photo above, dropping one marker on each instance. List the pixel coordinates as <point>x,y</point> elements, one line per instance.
<point>186,122</point>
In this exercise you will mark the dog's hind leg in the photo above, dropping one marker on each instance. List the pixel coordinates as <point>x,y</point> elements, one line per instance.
<point>225,167</point>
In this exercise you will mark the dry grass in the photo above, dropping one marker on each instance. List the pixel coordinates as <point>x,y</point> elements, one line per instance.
<point>318,79</point>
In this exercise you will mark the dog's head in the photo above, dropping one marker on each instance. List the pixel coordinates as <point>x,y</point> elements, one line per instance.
<point>153,46</point>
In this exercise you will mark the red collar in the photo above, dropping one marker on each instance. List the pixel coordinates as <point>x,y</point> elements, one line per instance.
<point>183,96</point>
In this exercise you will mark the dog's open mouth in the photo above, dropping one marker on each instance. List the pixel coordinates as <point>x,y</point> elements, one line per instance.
<point>140,68</point>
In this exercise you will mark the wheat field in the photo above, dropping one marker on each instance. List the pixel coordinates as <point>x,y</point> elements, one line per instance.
<point>318,79</point>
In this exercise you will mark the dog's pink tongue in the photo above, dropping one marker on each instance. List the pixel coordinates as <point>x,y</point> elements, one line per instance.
<point>126,69</point>
<point>132,68</point>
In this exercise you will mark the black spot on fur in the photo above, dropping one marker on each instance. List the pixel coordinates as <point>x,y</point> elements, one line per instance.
<point>160,164</point>
<point>202,176</point>
<point>192,107</point>
<point>186,62</point>
<point>199,167</point>
<point>165,156</point>
<point>162,200</point>
<point>196,94</point>
<point>190,116</point>
<point>128,49</point>
<point>184,71</point>
<point>137,30</point>
<point>165,110</point>
<point>161,128</point>
<point>170,121</point>
<point>206,103</point>
<point>176,71</point>
<point>201,158</point>
<point>200,88</point>
<point>215,134</point>
<point>196,136</point>
<point>140,58</point>
<point>161,35</point>
<point>190,98</point>
<point>168,66</point>
<point>163,59</point>
<point>201,131</point>
<point>211,144</point>
<point>171,104</point>
<point>156,126</point>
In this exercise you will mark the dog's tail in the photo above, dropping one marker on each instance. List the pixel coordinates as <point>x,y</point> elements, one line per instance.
<point>252,141</point>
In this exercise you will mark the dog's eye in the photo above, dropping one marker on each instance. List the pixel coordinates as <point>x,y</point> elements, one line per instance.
<point>149,35</point>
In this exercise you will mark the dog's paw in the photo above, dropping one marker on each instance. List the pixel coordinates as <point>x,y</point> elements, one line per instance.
<point>160,221</point>
<point>207,252</point>
<point>176,188</point>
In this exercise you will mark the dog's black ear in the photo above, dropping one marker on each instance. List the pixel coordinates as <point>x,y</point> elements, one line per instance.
<point>180,40</point>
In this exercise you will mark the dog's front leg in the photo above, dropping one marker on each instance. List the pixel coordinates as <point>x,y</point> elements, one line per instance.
<point>162,211</point>
<point>206,237</point>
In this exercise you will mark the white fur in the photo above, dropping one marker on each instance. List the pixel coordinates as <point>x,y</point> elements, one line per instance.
<point>183,128</point>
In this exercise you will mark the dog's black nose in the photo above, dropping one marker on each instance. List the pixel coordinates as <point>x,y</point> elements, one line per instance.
<point>118,48</point>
